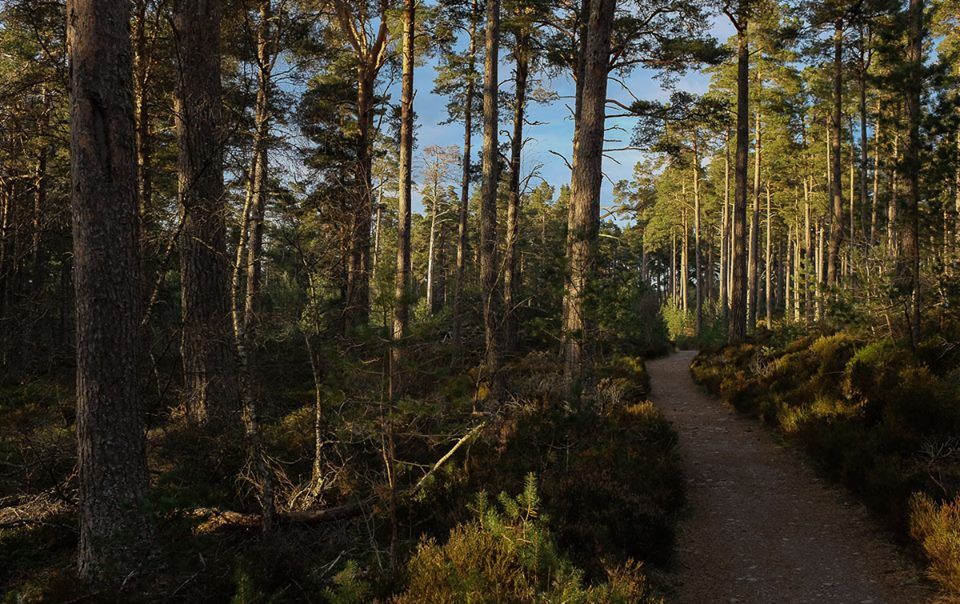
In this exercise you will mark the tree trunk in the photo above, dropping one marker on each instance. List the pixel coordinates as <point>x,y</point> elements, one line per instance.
<point>431,250</point>
<point>820,269</point>
<point>510,281</point>
<point>910,212</point>
<point>465,184</point>
<point>810,253</point>
<point>142,108</point>
<point>956,198</point>
<point>893,202</point>
<point>6,264</point>
<point>864,201</point>
<point>788,262</point>
<point>246,337</point>
<point>377,239</point>
<point>737,327</point>
<point>38,251</point>
<point>696,231</point>
<point>851,191</point>
<point>874,202</point>
<point>725,228</point>
<point>836,169</point>
<point>440,272</point>
<point>488,195</point>
<point>583,228</point>
<point>753,274</point>
<point>357,303</point>
<point>673,268</point>
<point>685,257</point>
<point>797,277</point>
<point>401,311</point>
<point>206,346</point>
<point>768,265</point>
<point>110,414</point>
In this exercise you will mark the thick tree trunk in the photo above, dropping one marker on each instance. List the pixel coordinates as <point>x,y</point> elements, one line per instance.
<point>401,311</point>
<point>357,303</point>
<point>110,415</point>
<point>510,280</point>
<point>462,235</point>
<point>488,195</point>
<point>208,363</point>
<point>737,326</point>
<point>583,227</point>
<point>836,168</point>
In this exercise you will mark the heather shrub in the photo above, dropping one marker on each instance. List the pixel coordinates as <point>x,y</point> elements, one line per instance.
<point>832,353</point>
<point>936,526</point>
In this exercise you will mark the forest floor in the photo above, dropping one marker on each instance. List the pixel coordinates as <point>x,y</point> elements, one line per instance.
<point>761,526</point>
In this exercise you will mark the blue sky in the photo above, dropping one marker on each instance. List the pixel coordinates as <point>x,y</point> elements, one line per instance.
<point>554,131</point>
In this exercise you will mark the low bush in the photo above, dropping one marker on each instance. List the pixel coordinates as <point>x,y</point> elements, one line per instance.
<point>937,528</point>
<point>629,506</point>
<point>507,554</point>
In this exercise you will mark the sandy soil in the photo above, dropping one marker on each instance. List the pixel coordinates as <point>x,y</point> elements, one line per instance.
<point>762,528</point>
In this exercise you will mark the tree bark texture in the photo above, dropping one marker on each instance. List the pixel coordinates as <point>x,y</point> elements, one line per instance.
<point>110,414</point>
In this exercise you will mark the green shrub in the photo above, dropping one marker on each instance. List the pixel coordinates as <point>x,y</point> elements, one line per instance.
<point>506,554</point>
<point>349,586</point>
<point>832,354</point>
<point>872,375</point>
<point>630,505</point>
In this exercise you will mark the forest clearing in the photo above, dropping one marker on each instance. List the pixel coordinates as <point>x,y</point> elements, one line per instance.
<point>396,301</point>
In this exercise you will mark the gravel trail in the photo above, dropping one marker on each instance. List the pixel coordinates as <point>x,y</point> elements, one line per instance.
<point>762,527</point>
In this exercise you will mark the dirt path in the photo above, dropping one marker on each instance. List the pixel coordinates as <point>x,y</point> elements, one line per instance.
<point>762,528</point>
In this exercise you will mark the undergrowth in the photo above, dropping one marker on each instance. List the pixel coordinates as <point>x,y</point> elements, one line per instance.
<point>599,481</point>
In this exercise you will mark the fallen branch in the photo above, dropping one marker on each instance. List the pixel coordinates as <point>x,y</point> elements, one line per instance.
<point>215,518</point>
<point>466,438</point>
